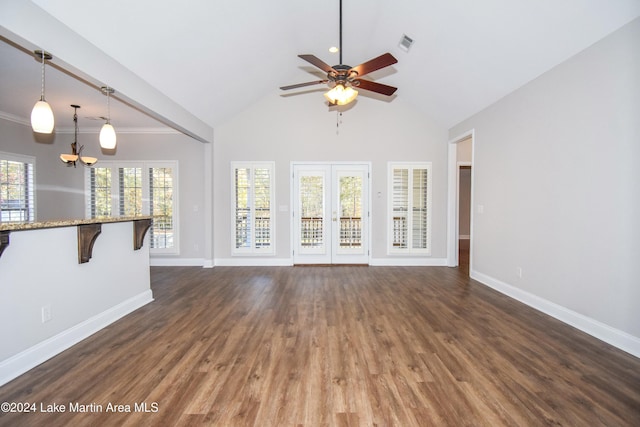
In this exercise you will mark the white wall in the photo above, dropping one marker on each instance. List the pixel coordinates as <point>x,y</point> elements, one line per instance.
<point>301,128</point>
<point>555,168</point>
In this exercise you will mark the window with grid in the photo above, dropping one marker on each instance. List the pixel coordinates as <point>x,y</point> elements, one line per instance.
<point>130,191</point>
<point>136,189</point>
<point>17,190</point>
<point>100,192</point>
<point>409,208</point>
<point>253,218</point>
<point>161,187</point>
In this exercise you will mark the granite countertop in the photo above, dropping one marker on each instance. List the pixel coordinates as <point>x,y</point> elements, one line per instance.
<point>19,226</point>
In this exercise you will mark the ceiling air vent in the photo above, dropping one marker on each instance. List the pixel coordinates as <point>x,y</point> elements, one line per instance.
<point>405,43</point>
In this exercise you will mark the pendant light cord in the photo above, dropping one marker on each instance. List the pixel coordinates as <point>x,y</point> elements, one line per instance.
<point>108,106</point>
<point>43,71</point>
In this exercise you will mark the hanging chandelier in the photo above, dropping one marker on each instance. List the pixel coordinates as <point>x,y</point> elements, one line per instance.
<point>76,153</point>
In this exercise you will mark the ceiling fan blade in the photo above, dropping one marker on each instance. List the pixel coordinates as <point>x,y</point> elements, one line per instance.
<point>303,84</point>
<point>376,87</point>
<point>381,61</point>
<point>317,62</point>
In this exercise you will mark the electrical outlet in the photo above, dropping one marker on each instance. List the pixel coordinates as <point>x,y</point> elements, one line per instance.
<point>46,313</point>
<point>519,272</point>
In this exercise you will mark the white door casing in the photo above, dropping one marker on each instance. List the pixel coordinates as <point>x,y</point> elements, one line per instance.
<point>330,213</point>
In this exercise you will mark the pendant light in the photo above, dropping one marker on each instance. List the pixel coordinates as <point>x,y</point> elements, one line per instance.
<point>76,153</point>
<point>42,120</point>
<point>108,133</point>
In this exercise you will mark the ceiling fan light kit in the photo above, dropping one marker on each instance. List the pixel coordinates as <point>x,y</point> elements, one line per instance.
<point>345,78</point>
<point>341,95</point>
<point>76,153</point>
<point>42,120</point>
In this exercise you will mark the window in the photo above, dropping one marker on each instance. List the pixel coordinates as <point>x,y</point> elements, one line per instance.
<point>135,189</point>
<point>17,193</point>
<point>253,216</point>
<point>161,206</point>
<point>130,188</point>
<point>410,208</point>
<point>100,184</point>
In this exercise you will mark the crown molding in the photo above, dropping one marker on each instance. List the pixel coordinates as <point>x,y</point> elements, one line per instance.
<point>14,118</point>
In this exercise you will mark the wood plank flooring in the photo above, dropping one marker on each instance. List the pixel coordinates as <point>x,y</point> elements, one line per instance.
<point>332,346</point>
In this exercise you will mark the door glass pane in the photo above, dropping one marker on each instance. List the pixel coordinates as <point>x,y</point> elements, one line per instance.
<point>350,211</point>
<point>311,211</point>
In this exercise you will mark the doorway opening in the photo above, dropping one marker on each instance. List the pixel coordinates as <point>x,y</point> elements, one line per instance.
<point>460,207</point>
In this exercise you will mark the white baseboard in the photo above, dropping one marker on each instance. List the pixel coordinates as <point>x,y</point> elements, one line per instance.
<point>603,332</point>
<point>30,358</point>
<point>176,262</point>
<point>253,262</point>
<point>408,262</point>
<point>286,262</point>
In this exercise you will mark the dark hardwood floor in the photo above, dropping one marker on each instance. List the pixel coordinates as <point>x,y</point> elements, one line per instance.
<point>332,346</point>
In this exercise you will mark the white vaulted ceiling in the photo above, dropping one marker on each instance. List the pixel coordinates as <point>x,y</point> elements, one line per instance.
<point>215,58</point>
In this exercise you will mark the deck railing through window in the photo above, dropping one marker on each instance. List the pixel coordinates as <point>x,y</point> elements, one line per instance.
<point>350,232</point>
<point>399,232</point>
<point>311,231</point>
<point>262,228</point>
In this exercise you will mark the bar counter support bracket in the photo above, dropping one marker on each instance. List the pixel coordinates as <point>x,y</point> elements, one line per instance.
<point>4,240</point>
<point>140,227</point>
<point>87,235</point>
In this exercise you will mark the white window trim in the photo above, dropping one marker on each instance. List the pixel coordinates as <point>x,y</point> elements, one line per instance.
<point>410,166</point>
<point>22,158</point>
<point>115,194</point>
<point>253,251</point>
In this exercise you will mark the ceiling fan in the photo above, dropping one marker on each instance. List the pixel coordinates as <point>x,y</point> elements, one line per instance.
<point>344,78</point>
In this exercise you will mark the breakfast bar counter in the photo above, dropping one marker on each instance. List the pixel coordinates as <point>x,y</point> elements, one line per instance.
<point>61,281</point>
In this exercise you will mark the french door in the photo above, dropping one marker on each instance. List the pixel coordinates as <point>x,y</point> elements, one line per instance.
<point>330,213</point>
